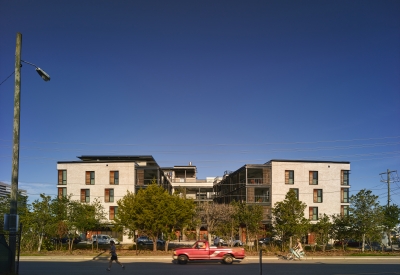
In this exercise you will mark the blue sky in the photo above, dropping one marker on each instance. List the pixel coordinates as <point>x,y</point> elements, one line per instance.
<point>216,83</point>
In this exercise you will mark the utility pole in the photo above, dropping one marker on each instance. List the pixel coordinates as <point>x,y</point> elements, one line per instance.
<point>15,155</point>
<point>388,174</point>
<point>395,178</point>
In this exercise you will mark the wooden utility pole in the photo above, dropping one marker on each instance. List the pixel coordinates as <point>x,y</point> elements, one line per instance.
<point>388,173</point>
<point>15,156</point>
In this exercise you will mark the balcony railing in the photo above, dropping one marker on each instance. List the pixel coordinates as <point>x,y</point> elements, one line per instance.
<point>259,199</point>
<point>256,181</point>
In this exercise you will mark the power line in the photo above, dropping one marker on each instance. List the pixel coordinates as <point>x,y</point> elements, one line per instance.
<point>7,78</point>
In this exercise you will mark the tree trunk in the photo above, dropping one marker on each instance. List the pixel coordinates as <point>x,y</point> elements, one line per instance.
<point>363,242</point>
<point>166,245</point>
<point>40,242</point>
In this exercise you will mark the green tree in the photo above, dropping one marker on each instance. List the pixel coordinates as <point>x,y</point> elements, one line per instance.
<point>323,230</point>
<point>180,213</point>
<point>66,218</point>
<point>28,238</point>
<point>367,216</point>
<point>391,220</point>
<point>89,216</point>
<point>341,228</point>
<point>148,212</point>
<point>42,215</point>
<point>250,216</point>
<point>288,218</point>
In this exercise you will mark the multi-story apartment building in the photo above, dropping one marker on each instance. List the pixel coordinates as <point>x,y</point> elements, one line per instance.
<point>322,185</point>
<point>108,178</point>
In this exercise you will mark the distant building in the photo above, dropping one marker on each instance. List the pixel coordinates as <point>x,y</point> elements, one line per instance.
<point>5,190</point>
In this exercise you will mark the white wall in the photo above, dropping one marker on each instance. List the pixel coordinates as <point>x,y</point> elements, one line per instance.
<point>76,178</point>
<point>329,179</point>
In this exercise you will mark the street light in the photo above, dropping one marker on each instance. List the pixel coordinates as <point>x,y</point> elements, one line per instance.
<point>13,220</point>
<point>42,73</point>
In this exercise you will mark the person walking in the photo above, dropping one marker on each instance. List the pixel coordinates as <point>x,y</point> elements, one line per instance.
<point>114,257</point>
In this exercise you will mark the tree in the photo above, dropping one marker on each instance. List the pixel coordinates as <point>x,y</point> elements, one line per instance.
<point>341,228</point>
<point>367,216</point>
<point>28,239</point>
<point>41,214</point>
<point>250,216</point>
<point>89,216</point>
<point>151,211</point>
<point>288,217</point>
<point>322,230</point>
<point>391,220</point>
<point>180,213</point>
<point>66,213</point>
<point>213,215</point>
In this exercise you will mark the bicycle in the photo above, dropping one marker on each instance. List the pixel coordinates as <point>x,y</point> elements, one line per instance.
<point>293,255</point>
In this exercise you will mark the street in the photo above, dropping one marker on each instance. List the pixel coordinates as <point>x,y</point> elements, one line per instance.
<point>248,266</point>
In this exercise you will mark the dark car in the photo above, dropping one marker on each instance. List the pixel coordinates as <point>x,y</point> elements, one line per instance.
<point>349,243</point>
<point>144,240</point>
<point>76,240</point>
<point>268,241</point>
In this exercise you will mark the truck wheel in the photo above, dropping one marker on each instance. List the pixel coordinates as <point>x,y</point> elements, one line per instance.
<point>228,259</point>
<point>182,259</point>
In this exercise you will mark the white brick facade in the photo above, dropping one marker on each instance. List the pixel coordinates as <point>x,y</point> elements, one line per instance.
<point>329,180</point>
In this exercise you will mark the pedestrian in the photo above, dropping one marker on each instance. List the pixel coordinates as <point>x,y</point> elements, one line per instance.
<point>114,257</point>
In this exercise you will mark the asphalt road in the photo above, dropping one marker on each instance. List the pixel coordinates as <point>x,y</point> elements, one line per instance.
<point>164,265</point>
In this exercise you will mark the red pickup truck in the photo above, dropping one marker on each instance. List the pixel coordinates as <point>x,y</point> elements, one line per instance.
<point>201,250</point>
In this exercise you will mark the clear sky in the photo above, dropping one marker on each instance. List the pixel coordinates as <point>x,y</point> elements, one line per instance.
<point>216,83</point>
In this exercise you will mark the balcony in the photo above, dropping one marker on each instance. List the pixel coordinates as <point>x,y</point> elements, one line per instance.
<point>255,181</point>
<point>258,199</point>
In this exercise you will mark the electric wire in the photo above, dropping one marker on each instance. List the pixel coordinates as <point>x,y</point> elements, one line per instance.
<point>7,78</point>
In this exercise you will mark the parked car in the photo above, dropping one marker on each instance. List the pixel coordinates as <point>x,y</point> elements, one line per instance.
<point>219,242</point>
<point>116,241</point>
<point>66,239</point>
<point>268,241</point>
<point>101,239</point>
<point>235,243</point>
<point>349,243</point>
<point>144,240</point>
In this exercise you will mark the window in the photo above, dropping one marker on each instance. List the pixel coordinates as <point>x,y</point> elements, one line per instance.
<point>89,177</point>
<point>261,194</point>
<point>289,177</point>
<point>114,177</point>
<point>85,195</point>
<point>345,195</point>
<point>313,213</point>
<point>62,192</point>
<point>296,191</point>
<point>109,195</point>
<point>345,177</point>
<point>317,195</point>
<point>113,212</point>
<point>313,177</point>
<point>344,210</point>
<point>62,177</point>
